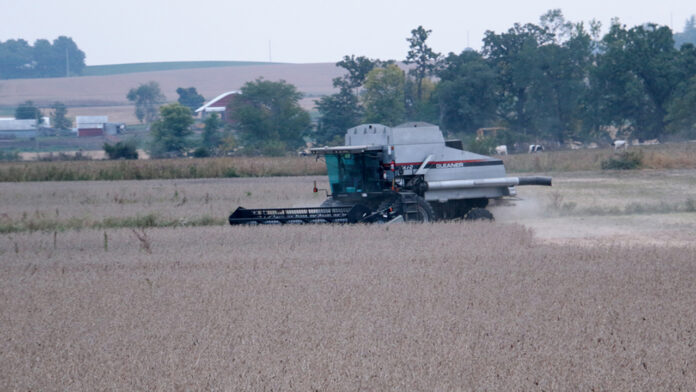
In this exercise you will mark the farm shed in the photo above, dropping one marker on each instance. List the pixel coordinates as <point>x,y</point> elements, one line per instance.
<point>217,105</point>
<point>18,129</point>
<point>91,125</point>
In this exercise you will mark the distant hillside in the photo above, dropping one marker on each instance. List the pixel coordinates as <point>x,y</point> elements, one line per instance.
<point>116,69</point>
<point>105,95</point>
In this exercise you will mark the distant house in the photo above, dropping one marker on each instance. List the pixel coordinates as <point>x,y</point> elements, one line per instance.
<point>217,105</point>
<point>91,125</point>
<point>18,129</point>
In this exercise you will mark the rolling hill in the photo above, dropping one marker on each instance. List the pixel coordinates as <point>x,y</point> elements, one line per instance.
<point>115,69</point>
<point>106,94</point>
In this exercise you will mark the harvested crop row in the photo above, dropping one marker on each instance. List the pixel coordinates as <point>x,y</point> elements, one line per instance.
<point>409,307</point>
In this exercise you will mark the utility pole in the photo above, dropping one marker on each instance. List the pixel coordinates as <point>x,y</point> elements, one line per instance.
<point>269,51</point>
<point>67,64</point>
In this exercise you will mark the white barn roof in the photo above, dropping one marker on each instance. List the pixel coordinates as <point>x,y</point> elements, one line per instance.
<point>18,125</point>
<point>207,107</point>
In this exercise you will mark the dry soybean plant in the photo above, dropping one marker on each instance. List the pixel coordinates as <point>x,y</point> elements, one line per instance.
<point>446,306</point>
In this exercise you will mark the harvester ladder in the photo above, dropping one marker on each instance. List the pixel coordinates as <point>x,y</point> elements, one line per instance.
<point>411,212</point>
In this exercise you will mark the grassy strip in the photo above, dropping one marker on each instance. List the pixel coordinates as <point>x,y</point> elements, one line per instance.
<point>140,221</point>
<point>664,156</point>
<point>155,220</point>
<point>160,169</point>
<point>115,69</point>
<point>570,209</point>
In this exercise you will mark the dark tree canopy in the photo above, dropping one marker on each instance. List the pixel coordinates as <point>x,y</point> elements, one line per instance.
<point>384,98</point>
<point>171,131</point>
<point>211,132</point>
<point>467,92</point>
<point>28,111</point>
<point>553,81</point>
<point>58,117</point>
<point>338,112</point>
<point>44,59</point>
<point>146,98</point>
<point>422,56</point>
<point>190,98</point>
<point>269,117</point>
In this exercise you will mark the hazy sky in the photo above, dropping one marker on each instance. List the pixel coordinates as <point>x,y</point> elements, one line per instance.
<point>299,31</point>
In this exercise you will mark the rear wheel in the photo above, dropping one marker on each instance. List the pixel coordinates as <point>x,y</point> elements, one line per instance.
<point>417,209</point>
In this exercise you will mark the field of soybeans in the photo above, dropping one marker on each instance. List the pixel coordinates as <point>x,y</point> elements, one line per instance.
<point>141,285</point>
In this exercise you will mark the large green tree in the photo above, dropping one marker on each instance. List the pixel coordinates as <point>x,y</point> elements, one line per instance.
<point>337,112</point>
<point>422,56</point>
<point>681,111</point>
<point>384,95</point>
<point>59,117</point>
<point>466,93</point>
<point>269,117</point>
<point>44,59</point>
<point>190,98</point>
<point>357,69</point>
<point>637,72</point>
<point>146,97</point>
<point>515,57</point>
<point>170,133</point>
<point>542,72</point>
<point>28,111</point>
<point>211,132</point>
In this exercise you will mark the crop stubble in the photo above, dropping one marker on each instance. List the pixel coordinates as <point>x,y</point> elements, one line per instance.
<point>444,306</point>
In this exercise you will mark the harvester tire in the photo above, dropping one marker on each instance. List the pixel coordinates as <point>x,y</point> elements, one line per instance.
<point>479,214</point>
<point>424,209</point>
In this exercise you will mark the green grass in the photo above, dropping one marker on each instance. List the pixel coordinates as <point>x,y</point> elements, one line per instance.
<point>115,69</point>
<point>41,223</point>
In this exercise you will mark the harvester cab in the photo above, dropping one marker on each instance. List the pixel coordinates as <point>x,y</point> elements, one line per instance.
<point>408,172</point>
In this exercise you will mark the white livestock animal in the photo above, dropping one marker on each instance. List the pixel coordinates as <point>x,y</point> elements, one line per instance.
<point>501,150</point>
<point>535,148</point>
<point>619,144</point>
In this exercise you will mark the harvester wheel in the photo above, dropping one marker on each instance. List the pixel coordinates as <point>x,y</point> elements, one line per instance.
<point>417,209</point>
<point>479,214</point>
<point>426,210</point>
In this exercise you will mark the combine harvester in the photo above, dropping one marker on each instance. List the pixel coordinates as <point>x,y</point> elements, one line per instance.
<point>404,173</point>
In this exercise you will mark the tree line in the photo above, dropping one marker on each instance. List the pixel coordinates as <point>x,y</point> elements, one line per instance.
<point>555,81</point>
<point>45,59</point>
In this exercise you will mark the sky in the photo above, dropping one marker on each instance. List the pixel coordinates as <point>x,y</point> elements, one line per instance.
<point>296,31</point>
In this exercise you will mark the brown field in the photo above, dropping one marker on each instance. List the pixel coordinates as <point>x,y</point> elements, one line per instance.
<point>588,285</point>
<point>106,95</point>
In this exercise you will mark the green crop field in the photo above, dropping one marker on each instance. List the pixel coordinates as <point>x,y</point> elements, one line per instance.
<point>115,69</point>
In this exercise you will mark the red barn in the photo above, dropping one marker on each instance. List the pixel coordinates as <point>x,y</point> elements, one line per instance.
<point>91,125</point>
<point>218,105</point>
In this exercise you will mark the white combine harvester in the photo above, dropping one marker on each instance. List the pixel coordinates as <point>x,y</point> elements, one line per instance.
<point>408,172</point>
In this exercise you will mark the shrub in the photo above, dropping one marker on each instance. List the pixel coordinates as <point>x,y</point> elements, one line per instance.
<point>201,152</point>
<point>121,150</point>
<point>625,161</point>
<point>482,146</point>
<point>9,156</point>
